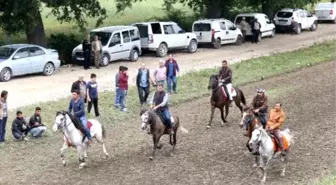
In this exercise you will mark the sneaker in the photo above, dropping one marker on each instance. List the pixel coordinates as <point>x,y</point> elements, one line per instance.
<point>26,139</point>
<point>117,106</point>
<point>124,109</point>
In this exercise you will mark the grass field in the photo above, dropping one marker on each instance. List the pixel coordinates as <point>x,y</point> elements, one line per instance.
<point>193,84</point>
<point>328,179</point>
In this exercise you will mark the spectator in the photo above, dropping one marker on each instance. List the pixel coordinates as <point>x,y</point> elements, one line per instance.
<point>256,31</point>
<point>172,71</point>
<point>87,48</point>
<point>123,87</point>
<point>117,98</point>
<point>97,50</point>
<point>3,115</point>
<point>160,73</point>
<point>92,91</point>
<point>36,126</point>
<point>20,128</point>
<point>143,83</point>
<point>80,86</point>
<point>243,27</point>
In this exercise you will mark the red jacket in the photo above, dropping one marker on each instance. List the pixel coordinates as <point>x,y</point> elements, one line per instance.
<point>123,81</point>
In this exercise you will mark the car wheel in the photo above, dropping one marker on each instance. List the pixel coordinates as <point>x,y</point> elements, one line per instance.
<point>5,75</point>
<point>162,50</point>
<point>217,43</point>
<point>105,60</point>
<point>313,27</point>
<point>239,40</point>
<point>192,48</point>
<point>273,33</point>
<point>134,55</point>
<point>48,69</point>
<point>298,29</point>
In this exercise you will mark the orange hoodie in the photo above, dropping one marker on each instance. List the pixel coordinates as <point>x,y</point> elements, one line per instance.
<point>276,119</point>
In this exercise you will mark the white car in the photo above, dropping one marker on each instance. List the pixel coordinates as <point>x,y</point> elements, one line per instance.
<point>283,20</point>
<point>164,36</point>
<point>119,42</point>
<point>326,12</point>
<point>217,32</point>
<point>267,28</point>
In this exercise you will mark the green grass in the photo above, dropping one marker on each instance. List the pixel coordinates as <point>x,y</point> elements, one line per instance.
<point>194,84</point>
<point>327,179</point>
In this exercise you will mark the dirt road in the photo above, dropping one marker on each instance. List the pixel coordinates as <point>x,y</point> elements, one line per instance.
<point>40,89</point>
<point>215,156</point>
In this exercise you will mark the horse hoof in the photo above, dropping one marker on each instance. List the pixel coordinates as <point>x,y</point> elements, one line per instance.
<point>151,158</point>
<point>254,166</point>
<point>107,156</point>
<point>282,174</point>
<point>208,127</point>
<point>64,163</point>
<point>81,166</point>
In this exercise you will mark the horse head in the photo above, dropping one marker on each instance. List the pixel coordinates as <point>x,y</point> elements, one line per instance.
<point>257,136</point>
<point>146,117</point>
<point>247,116</point>
<point>60,120</point>
<point>213,81</point>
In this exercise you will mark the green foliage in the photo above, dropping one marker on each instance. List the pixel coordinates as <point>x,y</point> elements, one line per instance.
<point>64,44</point>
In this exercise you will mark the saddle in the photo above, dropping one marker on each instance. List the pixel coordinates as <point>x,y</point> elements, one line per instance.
<point>276,146</point>
<point>233,91</point>
<point>163,119</point>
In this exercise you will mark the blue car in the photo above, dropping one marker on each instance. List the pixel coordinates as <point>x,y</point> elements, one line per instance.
<point>22,59</point>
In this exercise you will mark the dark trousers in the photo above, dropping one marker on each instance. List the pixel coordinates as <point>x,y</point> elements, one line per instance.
<point>3,122</point>
<point>87,58</point>
<point>244,35</point>
<point>255,36</point>
<point>143,94</point>
<point>20,134</point>
<point>263,119</point>
<point>93,101</point>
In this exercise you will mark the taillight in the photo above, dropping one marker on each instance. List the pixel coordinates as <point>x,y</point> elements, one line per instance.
<point>331,12</point>
<point>150,38</point>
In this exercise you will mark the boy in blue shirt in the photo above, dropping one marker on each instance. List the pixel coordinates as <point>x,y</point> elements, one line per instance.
<point>92,92</point>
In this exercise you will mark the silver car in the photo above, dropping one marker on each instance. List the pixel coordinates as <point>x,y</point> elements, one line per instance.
<point>22,59</point>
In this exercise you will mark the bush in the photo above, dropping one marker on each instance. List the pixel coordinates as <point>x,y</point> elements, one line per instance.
<point>64,44</point>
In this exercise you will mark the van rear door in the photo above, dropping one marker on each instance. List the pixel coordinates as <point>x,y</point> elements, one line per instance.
<point>144,37</point>
<point>203,32</point>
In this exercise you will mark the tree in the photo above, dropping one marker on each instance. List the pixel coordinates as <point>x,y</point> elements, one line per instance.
<point>19,16</point>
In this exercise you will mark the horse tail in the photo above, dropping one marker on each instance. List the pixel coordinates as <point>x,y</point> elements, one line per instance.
<point>180,127</point>
<point>289,135</point>
<point>103,132</point>
<point>243,99</point>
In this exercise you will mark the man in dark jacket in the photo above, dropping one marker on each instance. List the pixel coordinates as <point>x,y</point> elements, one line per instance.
<point>80,86</point>
<point>20,128</point>
<point>172,71</point>
<point>143,81</point>
<point>225,78</point>
<point>37,128</point>
<point>87,48</point>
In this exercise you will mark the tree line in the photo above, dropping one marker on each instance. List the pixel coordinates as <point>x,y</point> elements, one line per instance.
<point>24,16</point>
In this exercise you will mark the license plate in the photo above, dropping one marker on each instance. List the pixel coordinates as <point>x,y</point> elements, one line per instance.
<point>322,17</point>
<point>80,58</point>
<point>199,37</point>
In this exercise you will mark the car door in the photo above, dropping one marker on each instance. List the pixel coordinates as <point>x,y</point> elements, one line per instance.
<point>268,26</point>
<point>127,44</point>
<point>21,63</point>
<point>232,31</point>
<point>181,36</point>
<point>37,58</point>
<point>303,20</point>
<point>170,36</point>
<point>309,19</point>
<point>115,47</point>
<point>224,32</point>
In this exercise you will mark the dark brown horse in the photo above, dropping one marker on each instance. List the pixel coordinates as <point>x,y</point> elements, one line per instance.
<point>155,127</point>
<point>219,100</point>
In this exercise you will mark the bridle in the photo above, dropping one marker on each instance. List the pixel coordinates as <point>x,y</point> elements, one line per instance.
<point>64,122</point>
<point>258,140</point>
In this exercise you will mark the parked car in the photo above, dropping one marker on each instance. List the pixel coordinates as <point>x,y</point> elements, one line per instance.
<point>217,32</point>
<point>326,12</point>
<point>267,28</point>
<point>164,36</point>
<point>119,42</point>
<point>283,20</point>
<point>22,59</point>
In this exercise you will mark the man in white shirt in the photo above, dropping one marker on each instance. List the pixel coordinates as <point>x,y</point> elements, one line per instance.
<point>97,49</point>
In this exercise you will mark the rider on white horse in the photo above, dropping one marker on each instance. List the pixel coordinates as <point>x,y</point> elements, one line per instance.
<point>76,106</point>
<point>225,78</point>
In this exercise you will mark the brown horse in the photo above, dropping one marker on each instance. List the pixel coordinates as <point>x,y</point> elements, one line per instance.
<point>157,128</point>
<point>219,99</point>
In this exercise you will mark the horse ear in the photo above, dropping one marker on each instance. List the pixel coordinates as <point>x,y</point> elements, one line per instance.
<point>142,111</point>
<point>58,113</point>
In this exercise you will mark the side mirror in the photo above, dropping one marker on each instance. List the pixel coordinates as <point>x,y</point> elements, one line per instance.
<point>233,28</point>
<point>16,57</point>
<point>181,31</point>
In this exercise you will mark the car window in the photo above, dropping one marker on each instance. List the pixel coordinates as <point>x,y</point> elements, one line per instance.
<point>307,14</point>
<point>302,15</point>
<point>168,29</point>
<point>156,28</point>
<point>222,25</point>
<point>176,28</point>
<point>116,39</point>
<point>267,20</point>
<point>22,53</point>
<point>135,35</point>
<point>202,27</point>
<point>229,24</point>
<point>248,19</point>
<point>6,52</point>
<point>284,14</point>
<point>35,51</point>
<point>126,36</point>
<point>104,37</point>
<point>143,29</point>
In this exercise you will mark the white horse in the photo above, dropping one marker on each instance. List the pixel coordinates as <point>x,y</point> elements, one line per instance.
<point>266,149</point>
<point>74,137</point>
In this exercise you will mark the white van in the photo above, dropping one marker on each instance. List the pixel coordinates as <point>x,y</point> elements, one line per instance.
<point>119,42</point>
<point>326,12</point>
<point>164,36</point>
<point>267,28</point>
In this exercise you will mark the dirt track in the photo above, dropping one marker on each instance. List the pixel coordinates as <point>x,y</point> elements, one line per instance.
<point>40,89</point>
<point>215,156</point>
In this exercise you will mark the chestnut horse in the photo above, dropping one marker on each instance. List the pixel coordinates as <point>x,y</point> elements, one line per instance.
<point>219,99</point>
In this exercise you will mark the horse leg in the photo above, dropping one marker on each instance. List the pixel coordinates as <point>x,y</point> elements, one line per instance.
<point>222,116</point>
<point>174,142</point>
<point>100,140</point>
<point>263,180</point>
<point>80,151</point>
<point>239,106</point>
<point>248,146</point>
<point>285,162</point>
<point>256,161</point>
<point>155,142</point>
<point>227,108</point>
<point>211,115</point>
<point>64,147</point>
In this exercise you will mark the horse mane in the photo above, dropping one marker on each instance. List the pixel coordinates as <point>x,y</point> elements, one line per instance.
<point>73,119</point>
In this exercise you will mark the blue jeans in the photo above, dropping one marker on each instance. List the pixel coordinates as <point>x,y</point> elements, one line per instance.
<point>84,121</point>
<point>170,80</point>
<point>263,119</point>
<point>3,129</point>
<point>37,131</point>
<point>117,98</point>
<point>122,98</point>
<point>166,114</point>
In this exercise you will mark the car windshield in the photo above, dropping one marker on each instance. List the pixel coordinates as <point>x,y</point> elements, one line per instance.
<point>104,37</point>
<point>285,14</point>
<point>6,52</point>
